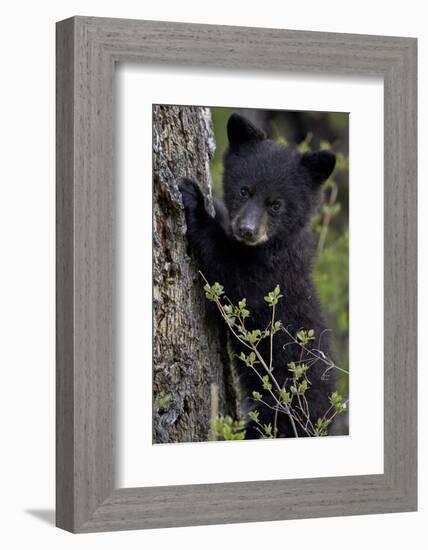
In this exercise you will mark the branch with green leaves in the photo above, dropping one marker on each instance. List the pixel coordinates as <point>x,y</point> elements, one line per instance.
<point>289,398</point>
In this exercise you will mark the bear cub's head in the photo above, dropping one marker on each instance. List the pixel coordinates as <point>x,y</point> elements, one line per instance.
<point>270,191</point>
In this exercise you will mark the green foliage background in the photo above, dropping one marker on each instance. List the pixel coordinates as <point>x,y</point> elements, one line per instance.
<point>312,131</point>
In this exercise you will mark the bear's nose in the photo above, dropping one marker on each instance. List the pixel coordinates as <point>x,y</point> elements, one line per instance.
<point>247,230</point>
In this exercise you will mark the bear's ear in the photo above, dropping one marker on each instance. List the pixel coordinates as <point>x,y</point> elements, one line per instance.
<point>240,131</point>
<point>320,164</point>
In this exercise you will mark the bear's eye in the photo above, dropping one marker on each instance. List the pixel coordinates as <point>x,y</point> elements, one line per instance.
<point>245,192</point>
<point>275,206</point>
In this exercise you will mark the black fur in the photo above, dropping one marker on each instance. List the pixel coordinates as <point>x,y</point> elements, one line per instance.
<point>270,193</point>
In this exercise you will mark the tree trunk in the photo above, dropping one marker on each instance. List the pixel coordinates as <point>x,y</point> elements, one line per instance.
<point>189,350</point>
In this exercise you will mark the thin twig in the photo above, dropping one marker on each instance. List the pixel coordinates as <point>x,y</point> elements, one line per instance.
<point>326,220</point>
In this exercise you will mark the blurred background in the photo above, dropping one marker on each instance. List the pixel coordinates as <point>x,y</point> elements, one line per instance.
<point>305,131</point>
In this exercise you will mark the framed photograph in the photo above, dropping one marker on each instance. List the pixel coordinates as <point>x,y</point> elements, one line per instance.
<point>236,274</point>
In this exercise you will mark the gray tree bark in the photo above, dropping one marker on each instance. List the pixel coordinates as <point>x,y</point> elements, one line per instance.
<point>189,350</point>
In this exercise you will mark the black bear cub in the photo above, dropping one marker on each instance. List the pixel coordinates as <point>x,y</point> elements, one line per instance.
<point>259,239</point>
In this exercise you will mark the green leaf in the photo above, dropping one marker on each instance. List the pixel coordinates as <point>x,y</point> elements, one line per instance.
<point>267,429</point>
<point>213,292</point>
<point>321,426</point>
<point>337,402</point>
<point>285,397</point>
<point>254,415</point>
<point>273,297</point>
<point>303,387</point>
<point>305,336</point>
<point>298,370</point>
<point>266,383</point>
<point>257,396</point>
<point>218,288</point>
<point>249,360</point>
<point>228,429</point>
<point>254,336</point>
<point>277,326</point>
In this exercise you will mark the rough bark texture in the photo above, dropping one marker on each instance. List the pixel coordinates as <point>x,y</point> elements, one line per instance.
<point>189,351</point>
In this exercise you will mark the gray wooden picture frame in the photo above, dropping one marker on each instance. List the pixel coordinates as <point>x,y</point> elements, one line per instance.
<point>87,50</point>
